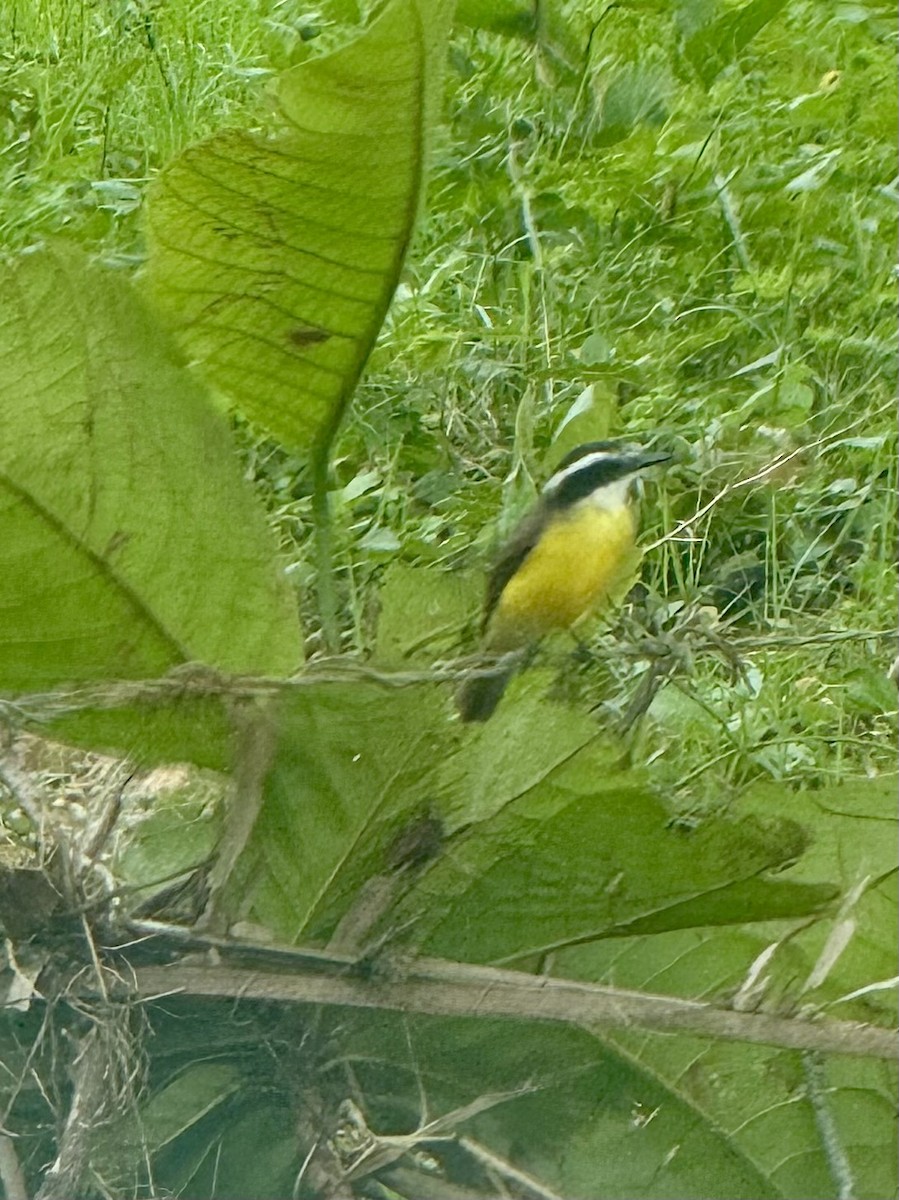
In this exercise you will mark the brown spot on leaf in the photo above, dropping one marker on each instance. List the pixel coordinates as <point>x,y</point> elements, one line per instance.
<point>118,540</point>
<point>417,843</point>
<point>306,335</point>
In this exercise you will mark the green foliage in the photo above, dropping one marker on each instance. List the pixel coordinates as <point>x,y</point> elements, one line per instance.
<point>420,614</point>
<point>515,752</point>
<point>658,220</point>
<point>276,257</point>
<point>353,762</point>
<point>757,1102</point>
<point>583,1121</point>
<point>855,826</point>
<point>179,834</point>
<point>185,728</point>
<point>574,848</point>
<point>716,40</point>
<point>509,17</point>
<point>119,478</point>
<point>844,965</point>
<point>588,854</point>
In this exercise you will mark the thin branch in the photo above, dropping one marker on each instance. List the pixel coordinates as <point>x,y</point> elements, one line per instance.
<point>63,1177</point>
<point>505,1170</point>
<point>816,1089</point>
<point>443,988</point>
<point>256,738</point>
<point>11,1174</point>
<point>203,682</point>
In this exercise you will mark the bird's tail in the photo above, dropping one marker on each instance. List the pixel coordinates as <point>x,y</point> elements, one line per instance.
<point>482,691</point>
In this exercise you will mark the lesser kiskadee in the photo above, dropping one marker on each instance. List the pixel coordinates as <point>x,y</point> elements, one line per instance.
<point>566,557</point>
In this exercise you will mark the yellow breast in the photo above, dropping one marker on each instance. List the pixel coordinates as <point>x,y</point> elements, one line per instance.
<point>581,557</point>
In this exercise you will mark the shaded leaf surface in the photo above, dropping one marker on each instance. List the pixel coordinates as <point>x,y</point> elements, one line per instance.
<point>855,827</point>
<point>353,763</point>
<point>181,729</point>
<point>117,481</point>
<point>580,1124</point>
<point>758,1097</point>
<point>512,753</point>
<point>590,853</point>
<point>420,613</point>
<point>755,1096</point>
<point>511,17</point>
<point>208,1134</point>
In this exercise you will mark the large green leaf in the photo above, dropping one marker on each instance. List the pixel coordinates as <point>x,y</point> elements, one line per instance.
<point>588,1121</point>
<point>521,745</point>
<point>207,1133</point>
<point>583,1118</point>
<point>757,1098</point>
<point>276,257</point>
<point>569,848</point>
<point>714,44</point>
<point>186,1100</point>
<point>590,853</point>
<point>179,834</point>
<point>760,1099</point>
<point>420,613</point>
<point>177,728</point>
<point>753,1103</point>
<point>853,828</point>
<point>354,762</point>
<point>251,1152</point>
<point>129,544</point>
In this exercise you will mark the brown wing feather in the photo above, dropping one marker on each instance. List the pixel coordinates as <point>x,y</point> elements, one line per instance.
<point>481,693</point>
<point>517,548</point>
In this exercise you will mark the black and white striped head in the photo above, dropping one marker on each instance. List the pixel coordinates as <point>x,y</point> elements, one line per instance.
<point>603,472</point>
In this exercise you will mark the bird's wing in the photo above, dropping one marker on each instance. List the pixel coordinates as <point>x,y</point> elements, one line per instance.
<point>514,552</point>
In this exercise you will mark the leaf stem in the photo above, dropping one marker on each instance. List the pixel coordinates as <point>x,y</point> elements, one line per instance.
<point>816,1089</point>
<point>324,544</point>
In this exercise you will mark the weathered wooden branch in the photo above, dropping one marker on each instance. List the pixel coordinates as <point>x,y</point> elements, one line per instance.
<point>443,988</point>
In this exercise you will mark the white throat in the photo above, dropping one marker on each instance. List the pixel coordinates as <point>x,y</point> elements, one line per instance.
<point>611,496</point>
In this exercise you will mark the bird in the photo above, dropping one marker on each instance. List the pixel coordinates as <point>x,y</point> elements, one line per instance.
<point>566,557</point>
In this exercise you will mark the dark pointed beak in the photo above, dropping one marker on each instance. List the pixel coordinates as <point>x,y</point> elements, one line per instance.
<point>648,459</point>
